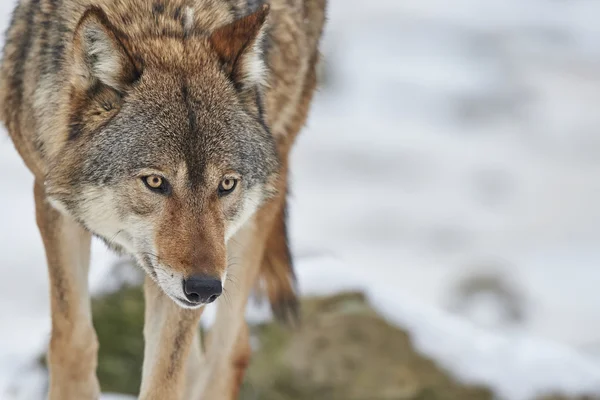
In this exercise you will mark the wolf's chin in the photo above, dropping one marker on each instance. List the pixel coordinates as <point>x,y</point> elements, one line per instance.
<point>185,304</point>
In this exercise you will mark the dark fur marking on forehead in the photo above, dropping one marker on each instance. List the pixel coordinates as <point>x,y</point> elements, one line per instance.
<point>194,165</point>
<point>190,108</point>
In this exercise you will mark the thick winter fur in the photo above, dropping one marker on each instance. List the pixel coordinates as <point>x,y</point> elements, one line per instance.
<point>99,95</point>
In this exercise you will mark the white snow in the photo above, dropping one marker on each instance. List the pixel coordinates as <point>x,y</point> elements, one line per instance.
<point>455,141</point>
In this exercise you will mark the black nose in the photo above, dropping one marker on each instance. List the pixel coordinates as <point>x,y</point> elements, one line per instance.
<point>202,289</point>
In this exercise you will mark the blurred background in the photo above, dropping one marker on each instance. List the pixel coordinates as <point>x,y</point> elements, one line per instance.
<point>445,216</point>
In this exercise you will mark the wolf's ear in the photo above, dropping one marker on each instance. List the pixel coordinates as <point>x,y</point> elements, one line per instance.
<point>239,46</point>
<point>99,53</point>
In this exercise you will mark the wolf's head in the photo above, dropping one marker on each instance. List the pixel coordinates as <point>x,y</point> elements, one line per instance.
<point>167,153</point>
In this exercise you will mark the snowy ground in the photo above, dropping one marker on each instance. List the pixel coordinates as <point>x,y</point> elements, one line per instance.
<point>450,168</point>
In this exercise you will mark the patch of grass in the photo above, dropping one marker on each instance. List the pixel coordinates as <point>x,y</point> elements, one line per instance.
<point>119,321</point>
<point>345,351</point>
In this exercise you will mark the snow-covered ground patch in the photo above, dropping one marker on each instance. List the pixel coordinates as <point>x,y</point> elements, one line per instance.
<point>516,364</point>
<point>450,169</point>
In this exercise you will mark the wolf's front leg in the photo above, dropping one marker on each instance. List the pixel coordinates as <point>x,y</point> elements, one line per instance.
<point>231,366</point>
<point>73,344</point>
<point>169,331</point>
<point>227,345</point>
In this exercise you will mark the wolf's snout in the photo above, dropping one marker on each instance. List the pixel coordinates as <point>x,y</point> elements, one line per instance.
<point>202,289</point>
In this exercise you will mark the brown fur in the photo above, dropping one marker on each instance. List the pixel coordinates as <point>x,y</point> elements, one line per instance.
<point>56,100</point>
<point>68,248</point>
<point>182,250</point>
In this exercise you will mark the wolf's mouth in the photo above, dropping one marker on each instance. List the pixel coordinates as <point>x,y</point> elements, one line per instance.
<point>188,304</point>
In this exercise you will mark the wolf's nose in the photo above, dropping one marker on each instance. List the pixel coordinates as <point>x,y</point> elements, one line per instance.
<point>202,289</point>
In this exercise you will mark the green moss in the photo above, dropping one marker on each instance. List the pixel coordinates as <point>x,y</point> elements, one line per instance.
<point>119,320</point>
<point>345,351</point>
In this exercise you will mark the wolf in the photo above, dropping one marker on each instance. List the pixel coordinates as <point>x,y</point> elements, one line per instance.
<point>164,128</point>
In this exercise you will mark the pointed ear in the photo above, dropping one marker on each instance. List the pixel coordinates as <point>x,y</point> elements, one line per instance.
<point>239,46</point>
<point>99,54</point>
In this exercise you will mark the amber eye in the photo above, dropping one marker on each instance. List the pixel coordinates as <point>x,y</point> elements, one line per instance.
<point>157,183</point>
<point>227,186</point>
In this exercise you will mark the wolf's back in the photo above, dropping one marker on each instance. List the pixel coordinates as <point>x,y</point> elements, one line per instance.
<point>277,274</point>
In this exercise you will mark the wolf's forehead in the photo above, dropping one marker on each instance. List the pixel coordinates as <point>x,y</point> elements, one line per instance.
<point>196,177</point>
<point>194,120</point>
<point>180,123</point>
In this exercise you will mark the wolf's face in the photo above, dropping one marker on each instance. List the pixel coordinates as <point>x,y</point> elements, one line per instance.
<point>167,152</point>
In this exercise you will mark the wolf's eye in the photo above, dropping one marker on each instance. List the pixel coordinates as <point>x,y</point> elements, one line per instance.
<point>157,184</point>
<point>227,186</point>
